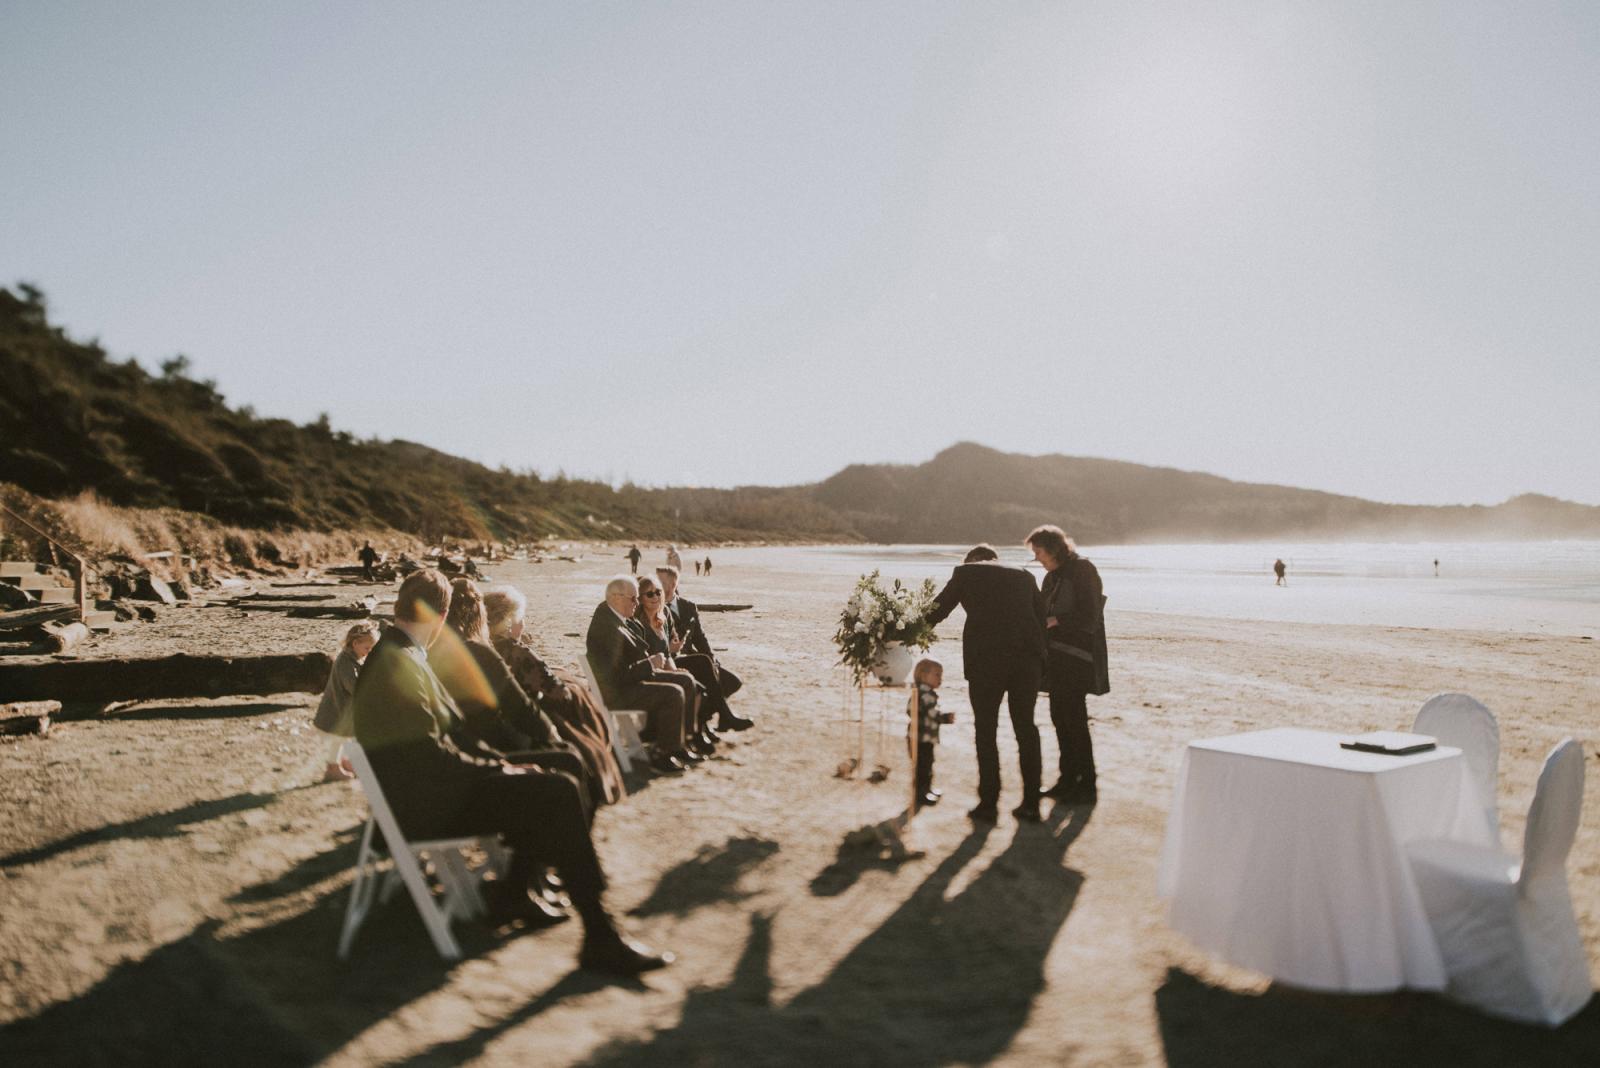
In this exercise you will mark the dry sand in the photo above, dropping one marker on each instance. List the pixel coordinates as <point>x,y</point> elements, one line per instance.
<point>171,884</point>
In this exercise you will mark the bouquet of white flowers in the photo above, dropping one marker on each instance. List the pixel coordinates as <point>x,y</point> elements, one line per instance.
<point>874,617</point>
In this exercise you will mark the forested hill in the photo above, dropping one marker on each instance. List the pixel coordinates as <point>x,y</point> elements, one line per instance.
<point>971,493</point>
<point>74,419</point>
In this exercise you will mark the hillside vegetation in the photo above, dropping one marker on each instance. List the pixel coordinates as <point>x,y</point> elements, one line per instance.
<point>969,492</point>
<point>161,451</point>
<point>72,419</point>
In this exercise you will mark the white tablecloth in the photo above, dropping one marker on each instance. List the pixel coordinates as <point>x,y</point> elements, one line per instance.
<point>1286,854</point>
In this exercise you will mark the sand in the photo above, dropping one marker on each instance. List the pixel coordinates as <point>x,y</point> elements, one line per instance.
<point>172,882</point>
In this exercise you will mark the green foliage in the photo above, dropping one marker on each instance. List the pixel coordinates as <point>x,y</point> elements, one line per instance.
<point>73,419</point>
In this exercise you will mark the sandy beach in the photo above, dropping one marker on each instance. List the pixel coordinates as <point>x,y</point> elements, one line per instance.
<point>172,882</point>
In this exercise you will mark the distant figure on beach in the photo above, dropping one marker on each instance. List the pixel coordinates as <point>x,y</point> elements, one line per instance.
<point>1076,662</point>
<point>403,719</point>
<point>697,567</point>
<point>633,559</point>
<point>1436,567</point>
<point>333,711</point>
<point>673,559</point>
<point>1281,570</point>
<point>923,730</point>
<point>708,567</point>
<point>1002,651</point>
<point>470,569</point>
<point>369,560</point>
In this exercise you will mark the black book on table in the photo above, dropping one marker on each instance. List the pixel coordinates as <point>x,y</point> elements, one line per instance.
<point>1392,743</point>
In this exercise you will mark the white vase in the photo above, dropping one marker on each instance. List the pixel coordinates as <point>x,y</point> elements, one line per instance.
<point>893,664</point>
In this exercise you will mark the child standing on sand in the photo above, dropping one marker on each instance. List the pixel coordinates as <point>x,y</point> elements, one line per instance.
<point>923,709</point>
<point>333,712</point>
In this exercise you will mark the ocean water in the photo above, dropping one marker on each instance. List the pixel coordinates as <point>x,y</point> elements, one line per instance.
<point>1550,587</point>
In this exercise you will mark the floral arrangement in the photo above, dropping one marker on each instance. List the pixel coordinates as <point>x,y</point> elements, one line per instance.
<point>874,617</point>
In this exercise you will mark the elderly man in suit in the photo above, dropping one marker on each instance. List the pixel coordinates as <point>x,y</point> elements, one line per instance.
<point>631,676</point>
<point>1002,650</point>
<point>404,718</point>
<point>697,657</point>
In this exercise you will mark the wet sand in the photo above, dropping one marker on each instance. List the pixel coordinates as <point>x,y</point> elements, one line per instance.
<point>171,882</point>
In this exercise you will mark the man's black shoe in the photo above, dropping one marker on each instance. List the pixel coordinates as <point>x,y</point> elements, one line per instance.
<point>983,814</point>
<point>1027,813</point>
<point>708,737</point>
<point>614,954</point>
<point>688,758</point>
<point>1059,791</point>
<point>931,797</point>
<point>507,905</point>
<point>665,763</point>
<point>734,723</point>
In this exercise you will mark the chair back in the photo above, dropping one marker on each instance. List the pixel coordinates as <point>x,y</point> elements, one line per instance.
<point>1553,817</point>
<point>379,805</point>
<point>1462,721</point>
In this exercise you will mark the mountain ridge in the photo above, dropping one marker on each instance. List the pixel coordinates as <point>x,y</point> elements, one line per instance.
<point>73,420</point>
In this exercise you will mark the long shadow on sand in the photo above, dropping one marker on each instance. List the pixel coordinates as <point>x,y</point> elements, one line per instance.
<point>942,981</point>
<point>160,825</point>
<point>709,877</point>
<point>1204,1026</point>
<point>272,995</point>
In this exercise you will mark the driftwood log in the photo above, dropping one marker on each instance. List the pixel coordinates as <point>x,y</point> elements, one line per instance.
<point>725,607</point>
<point>34,617</point>
<point>27,717</point>
<point>153,678</point>
<point>249,597</point>
<point>59,637</point>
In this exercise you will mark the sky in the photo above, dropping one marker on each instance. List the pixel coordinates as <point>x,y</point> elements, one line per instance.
<point>1348,246</point>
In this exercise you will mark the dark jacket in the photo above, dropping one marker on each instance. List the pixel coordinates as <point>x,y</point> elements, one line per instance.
<point>618,653</point>
<point>1077,643</point>
<point>657,643</point>
<point>497,710</point>
<point>403,719</point>
<point>1005,618</point>
<point>684,616</point>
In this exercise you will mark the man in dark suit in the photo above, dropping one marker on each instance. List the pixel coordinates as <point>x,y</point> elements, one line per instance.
<point>631,676</point>
<point>403,720</point>
<point>697,657</point>
<point>1002,649</point>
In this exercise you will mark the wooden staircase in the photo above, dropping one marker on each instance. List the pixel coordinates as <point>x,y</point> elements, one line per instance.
<point>45,584</point>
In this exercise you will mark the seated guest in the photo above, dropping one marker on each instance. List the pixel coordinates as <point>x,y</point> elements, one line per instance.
<point>499,719</point>
<point>631,676</point>
<point>685,618</point>
<point>333,711</point>
<point>657,628</point>
<point>404,720</point>
<point>560,694</point>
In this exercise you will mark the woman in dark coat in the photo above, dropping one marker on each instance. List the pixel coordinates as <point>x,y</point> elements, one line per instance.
<point>500,718</point>
<point>559,693</point>
<point>1075,634</point>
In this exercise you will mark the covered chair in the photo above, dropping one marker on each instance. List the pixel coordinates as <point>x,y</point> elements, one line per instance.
<point>1506,930</point>
<point>1462,721</point>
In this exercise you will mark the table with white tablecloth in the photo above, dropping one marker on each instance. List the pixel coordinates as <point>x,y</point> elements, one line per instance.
<point>1285,853</point>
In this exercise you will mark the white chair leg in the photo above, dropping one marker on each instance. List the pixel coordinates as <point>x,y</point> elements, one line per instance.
<point>433,918</point>
<point>362,890</point>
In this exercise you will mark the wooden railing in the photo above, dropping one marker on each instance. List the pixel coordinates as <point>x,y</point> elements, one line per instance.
<point>76,564</point>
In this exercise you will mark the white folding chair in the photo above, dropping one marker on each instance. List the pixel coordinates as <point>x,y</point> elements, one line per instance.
<point>626,723</point>
<point>1507,932</point>
<point>461,899</point>
<point>1462,721</point>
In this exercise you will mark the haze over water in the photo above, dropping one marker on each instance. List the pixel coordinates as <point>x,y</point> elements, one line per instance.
<point>1550,587</point>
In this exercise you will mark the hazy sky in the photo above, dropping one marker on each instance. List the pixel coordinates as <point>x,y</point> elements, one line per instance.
<point>1351,246</point>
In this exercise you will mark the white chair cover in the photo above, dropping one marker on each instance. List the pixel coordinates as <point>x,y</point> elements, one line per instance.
<point>1462,721</point>
<point>626,723</point>
<point>1507,932</point>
